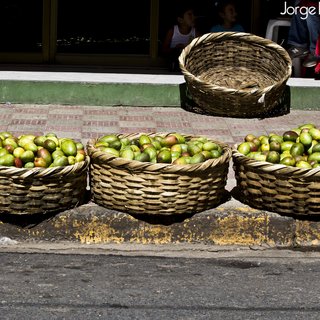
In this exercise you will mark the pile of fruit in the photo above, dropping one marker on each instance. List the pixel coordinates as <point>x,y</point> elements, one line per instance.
<point>29,151</point>
<point>173,148</point>
<point>299,147</point>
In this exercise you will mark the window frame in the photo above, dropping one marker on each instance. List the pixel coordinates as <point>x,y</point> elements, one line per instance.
<point>49,54</point>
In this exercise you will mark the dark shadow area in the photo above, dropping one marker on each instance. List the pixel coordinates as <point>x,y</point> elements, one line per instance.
<point>85,69</point>
<point>27,221</point>
<point>162,219</point>
<point>282,108</point>
<point>311,74</point>
<point>171,219</point>
<point>236,194</point>
<point>32,220</point>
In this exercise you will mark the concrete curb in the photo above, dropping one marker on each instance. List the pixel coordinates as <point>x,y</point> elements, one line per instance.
<point>231,223</point>
<point>91,94</point>
<point>110,89</point>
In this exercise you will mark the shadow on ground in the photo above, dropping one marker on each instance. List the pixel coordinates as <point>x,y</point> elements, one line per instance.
<point>282,108</point>
<point>30,221</point>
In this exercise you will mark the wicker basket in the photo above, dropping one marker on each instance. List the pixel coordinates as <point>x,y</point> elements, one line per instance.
<point>39,190</point>
<point>235,74</point>
<point>276,187</point>
<point>143,188</point>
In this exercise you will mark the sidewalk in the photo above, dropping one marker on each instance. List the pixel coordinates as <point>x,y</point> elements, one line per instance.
<point>85,122</point>
<point>230,223</point>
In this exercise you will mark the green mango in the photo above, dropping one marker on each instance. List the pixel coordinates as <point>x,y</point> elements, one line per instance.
<point>79,146</point>
<point>79,157</point>
<point>39,140</point>
<point>29,165</point>
<point>108,138</point>
<point>111,151</point>
<point>31,146</point>
<point>127,154</point>
<point>69,148</point>
<point>27,156</point>
<point>11,142</point>
<point>25,139</point>
<point>57,153</point>
<point>7,160</point>
<point>3,152</point>
<point>143,157</point>
<point>197,158</point>
<point>50,145</point>
<point>60,162</point>
<point>164,156</point>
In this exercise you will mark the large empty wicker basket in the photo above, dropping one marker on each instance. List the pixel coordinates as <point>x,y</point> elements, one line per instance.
<point>145,188</point>
<point>235,74</point>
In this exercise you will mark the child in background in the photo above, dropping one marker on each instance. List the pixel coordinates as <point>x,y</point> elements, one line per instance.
<point>180,35</point>
<point>228,16</point>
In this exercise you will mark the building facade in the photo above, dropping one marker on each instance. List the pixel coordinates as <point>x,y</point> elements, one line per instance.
<point>118,33</point>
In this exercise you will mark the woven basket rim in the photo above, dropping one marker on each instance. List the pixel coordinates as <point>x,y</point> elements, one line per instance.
<point>135,165</point>
<point>276,169</point>
<point>39,172</point>
<point>243,36</point>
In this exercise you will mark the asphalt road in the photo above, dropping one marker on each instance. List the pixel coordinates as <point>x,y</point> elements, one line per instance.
<point>92,285</point>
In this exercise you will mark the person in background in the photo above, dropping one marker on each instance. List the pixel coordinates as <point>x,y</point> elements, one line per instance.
<point>317,67</point>
<point>180,35</point>
<point>228,16</point>
<point>303,34</point>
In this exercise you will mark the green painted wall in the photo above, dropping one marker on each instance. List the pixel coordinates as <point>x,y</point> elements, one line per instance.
<point>126,94</point>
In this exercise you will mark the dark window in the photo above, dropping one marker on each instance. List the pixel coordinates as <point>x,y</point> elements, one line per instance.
<point>95,26</point>
<point>21,25</point>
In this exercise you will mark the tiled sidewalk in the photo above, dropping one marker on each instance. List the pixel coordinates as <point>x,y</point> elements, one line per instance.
<point>85,122</point>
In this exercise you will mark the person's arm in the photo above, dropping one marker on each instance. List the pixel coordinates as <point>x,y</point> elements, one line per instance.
<point>167,41</point>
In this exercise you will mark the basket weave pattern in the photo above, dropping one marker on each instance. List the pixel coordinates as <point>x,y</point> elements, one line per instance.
<point>235,74</point>
<point>38,190</point>
<point>156,189</point>
<point>278,188</point>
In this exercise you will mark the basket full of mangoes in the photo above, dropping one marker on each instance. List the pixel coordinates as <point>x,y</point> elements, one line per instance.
<point>158,173</point>
<point>41,174</point>
<point>280,172</point>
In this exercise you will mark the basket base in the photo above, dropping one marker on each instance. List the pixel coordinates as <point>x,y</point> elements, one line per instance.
<point>237,194</point>
<point>162,216</point>
<point>282,107</point>
<point>29,218</point>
